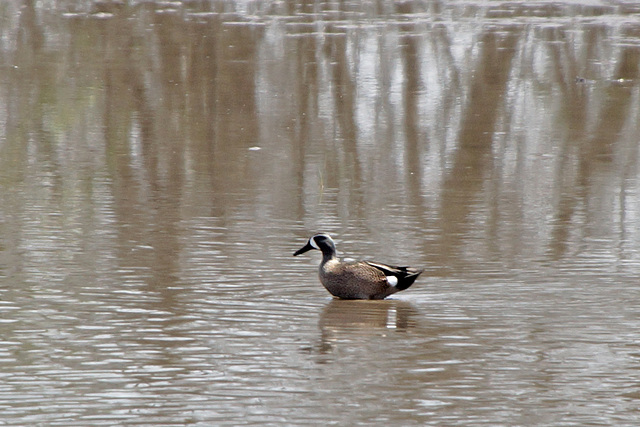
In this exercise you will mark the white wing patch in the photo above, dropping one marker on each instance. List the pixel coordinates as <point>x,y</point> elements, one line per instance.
<point>392,280</point>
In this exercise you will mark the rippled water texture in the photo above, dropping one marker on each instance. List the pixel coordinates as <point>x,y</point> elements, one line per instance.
<point>160,162</point>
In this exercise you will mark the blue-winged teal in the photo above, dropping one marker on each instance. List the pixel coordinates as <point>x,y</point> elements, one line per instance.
<point>359,279</point>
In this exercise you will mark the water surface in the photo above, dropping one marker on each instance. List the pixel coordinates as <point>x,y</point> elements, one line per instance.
<point>160,162</point>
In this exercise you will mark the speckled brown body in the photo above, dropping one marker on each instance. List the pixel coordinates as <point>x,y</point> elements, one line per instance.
<point>354,280</point>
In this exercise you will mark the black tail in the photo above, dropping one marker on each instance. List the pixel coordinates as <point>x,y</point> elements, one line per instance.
<point>408,276</point>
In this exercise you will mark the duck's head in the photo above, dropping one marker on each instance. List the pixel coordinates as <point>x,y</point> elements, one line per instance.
<point>322,242</point>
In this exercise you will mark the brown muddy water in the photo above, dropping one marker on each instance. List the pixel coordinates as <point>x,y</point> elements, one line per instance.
<point>160,162</point>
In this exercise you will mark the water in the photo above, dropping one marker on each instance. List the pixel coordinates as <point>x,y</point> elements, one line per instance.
<point>161,162</point>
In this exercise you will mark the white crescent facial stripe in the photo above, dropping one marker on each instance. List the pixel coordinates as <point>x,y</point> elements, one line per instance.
<point>313,243</point>
<point>392,280</point>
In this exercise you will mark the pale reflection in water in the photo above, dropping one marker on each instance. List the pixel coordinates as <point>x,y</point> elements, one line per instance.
<point>160,162</point>
<point>347,320</point>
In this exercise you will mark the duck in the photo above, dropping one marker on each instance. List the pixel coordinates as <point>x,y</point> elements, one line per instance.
<point>357,279</point>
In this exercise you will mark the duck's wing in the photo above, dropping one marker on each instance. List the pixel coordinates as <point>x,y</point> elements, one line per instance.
<point>399,272</point>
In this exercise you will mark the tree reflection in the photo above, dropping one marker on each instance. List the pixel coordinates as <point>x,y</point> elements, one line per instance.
<point>444,129</point>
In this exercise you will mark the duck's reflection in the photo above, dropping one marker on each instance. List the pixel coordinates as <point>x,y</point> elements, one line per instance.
<point>349,318</point>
